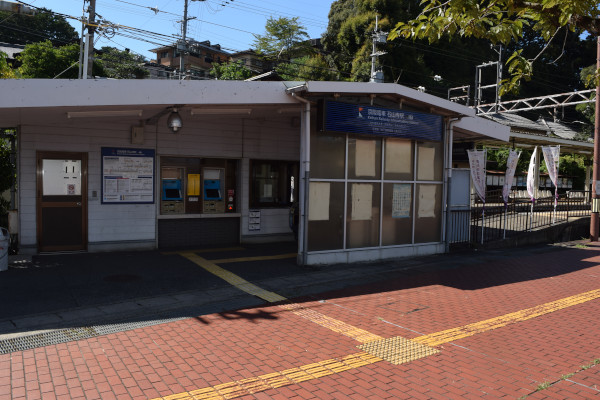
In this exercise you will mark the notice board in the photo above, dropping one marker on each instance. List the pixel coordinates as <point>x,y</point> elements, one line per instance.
<point>127,176</point>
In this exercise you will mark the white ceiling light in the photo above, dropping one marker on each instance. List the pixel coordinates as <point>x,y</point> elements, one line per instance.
<point>104,113</point>
<point>220,111</point>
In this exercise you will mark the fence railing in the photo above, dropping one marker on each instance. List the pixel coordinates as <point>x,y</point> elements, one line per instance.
<point>495,220</point>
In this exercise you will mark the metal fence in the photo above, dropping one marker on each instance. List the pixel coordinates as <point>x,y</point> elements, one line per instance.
<point>495,220</point>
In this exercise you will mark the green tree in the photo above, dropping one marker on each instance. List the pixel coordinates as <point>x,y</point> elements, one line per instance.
<point>119,64</point>
<point>44,25</point>
<point>233,71</point>
<point>348,42</point>
<point>6,72</point>
<point>502,21</point>
<point>284,38</point>
<point>43,60</point>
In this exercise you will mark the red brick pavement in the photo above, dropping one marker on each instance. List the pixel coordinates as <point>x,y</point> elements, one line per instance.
<point>508,362</point>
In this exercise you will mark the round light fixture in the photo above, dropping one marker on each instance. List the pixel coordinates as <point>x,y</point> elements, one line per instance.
<point>174,121</point>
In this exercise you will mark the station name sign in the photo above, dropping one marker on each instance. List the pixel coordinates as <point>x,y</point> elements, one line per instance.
<point>369,120</point>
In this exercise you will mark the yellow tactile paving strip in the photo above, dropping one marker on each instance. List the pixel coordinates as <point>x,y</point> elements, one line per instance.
<point>360,335</point>
<point>398,350</point>
<point>231,390</point>
<point>450,335</point>
<point>395,350</point>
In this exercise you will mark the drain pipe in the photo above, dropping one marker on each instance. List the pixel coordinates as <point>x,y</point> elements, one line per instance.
<point>448,178</point>
<point>305,163</point>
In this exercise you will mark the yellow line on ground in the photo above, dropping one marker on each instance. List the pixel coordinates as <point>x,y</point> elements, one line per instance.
<point>204,250</point>
<point>274,380</point>
<point>333,324</point>
<point>233,279</point>
<point>257,258</point>
<point>449,335</point>
<point>389,349</point>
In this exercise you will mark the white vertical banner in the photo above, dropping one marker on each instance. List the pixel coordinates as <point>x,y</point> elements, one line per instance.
<point>551,158</point>
<point>511,167</point>
<point>531,189</point>
<point>477,160</point>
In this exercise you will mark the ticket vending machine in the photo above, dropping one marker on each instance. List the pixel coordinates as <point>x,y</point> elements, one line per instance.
<point>172,196</point>
<point>212,190</point>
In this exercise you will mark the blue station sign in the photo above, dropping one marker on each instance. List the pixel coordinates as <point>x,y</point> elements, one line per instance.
<point>369,120</point>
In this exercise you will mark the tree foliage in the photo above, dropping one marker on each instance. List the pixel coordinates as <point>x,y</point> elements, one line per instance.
<point>502,21</point>
<point>348,42</point>
<point>43,60</point>
<point>284,38</point>
<point>6,72</point>
<point>233,71</point>
<point>44,25</point>
<point>118,64</point>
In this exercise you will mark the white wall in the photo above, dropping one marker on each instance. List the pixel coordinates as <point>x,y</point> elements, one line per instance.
<point>267,136</point>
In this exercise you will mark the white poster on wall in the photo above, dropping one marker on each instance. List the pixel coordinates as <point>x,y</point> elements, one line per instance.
<point>398,157</point>
<point>362,202</point>
<point>401,200</point>
<point>427,196</point>
<point>318,201</point>
<point>426,162</point>
<point>364,159</point>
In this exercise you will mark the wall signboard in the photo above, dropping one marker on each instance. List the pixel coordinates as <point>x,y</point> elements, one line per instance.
<point>127,176</point>
<point>355,118</point>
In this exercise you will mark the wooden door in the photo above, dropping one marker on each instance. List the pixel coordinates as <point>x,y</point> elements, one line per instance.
<point>61,201</point>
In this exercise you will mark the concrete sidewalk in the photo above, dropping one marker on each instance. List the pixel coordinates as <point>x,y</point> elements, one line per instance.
<point>249,323</point>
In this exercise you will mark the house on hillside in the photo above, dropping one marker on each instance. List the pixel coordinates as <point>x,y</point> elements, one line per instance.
<point>197,62</point>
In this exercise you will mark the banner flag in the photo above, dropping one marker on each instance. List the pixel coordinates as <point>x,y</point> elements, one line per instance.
<point>551,158</point>
<point>511,167</point>
<point>531,189</point>
<point>477,160</point>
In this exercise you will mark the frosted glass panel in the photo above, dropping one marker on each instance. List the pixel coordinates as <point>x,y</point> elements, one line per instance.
<point>327,234</point>
<point>428,223</point>
<point>397,214</point>
<point>61,177</point>
<point>362,222</point>
<point>327,155</point>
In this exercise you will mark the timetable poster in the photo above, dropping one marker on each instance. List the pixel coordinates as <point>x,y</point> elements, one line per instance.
<point>127,176</point>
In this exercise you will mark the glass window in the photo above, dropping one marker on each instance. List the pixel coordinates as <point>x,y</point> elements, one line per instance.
<point>399,163</point>
<point>325,216</point>
<point>428,222</point>
<point>364,158</point>
<point>397,214</point>
<point>272,183</point>
<point>430,158</point>
<point>362,221</point>
<point>327,155</point>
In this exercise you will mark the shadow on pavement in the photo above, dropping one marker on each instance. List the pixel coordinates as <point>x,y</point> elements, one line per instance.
<point>73,290</point>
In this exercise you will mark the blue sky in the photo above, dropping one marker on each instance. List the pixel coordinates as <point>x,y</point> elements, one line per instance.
<point>229,23</point>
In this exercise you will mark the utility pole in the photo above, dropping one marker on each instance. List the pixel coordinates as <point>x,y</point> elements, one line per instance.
<point>90,39</point>
<point>182,45</point>
<point>594,222</point>
<point>379,37</point>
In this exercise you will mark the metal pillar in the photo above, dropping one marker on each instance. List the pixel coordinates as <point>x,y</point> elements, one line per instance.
<point>594,222</point>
